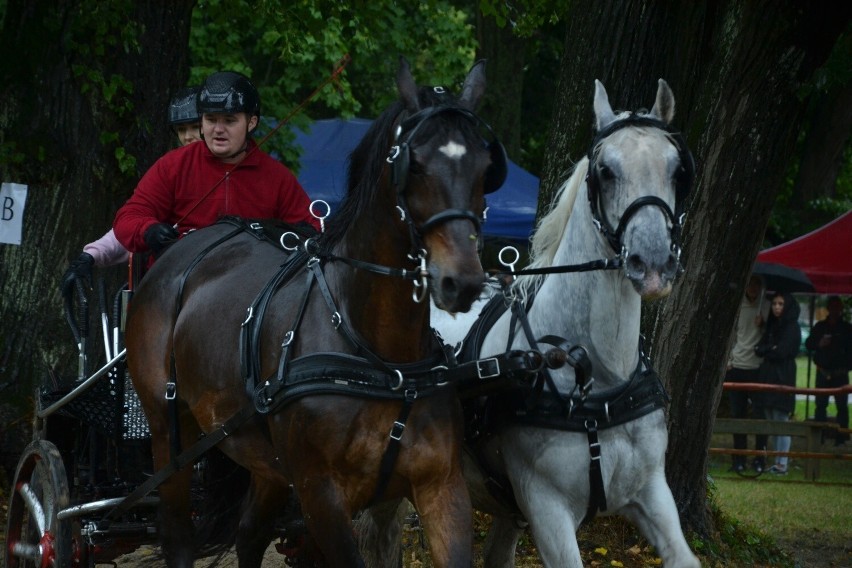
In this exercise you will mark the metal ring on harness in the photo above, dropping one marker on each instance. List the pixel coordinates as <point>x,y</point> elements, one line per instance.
<point>400,380</point>
<point>284,246</point>
<point>320,218</point>
<point>419,295</point>
<point>440,368</point>
<point>394,151</point>
<point>510,264</point>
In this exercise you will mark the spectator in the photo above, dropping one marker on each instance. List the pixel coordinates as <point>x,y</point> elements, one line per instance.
<point>831,342</point>
<point>779,347</point>
<point>193,186</point>
<point>107,251</point>
<point>743,363</point>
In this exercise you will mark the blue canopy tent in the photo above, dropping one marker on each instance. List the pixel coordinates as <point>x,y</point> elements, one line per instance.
<point>323,166</point>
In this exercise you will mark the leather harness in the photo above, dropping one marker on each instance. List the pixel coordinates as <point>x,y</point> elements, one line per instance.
<point>578,411</point>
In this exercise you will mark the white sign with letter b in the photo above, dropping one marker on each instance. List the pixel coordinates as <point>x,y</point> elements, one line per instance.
<point>13,197</point>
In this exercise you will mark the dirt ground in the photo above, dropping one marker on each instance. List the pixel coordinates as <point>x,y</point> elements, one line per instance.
<point>815,551</point>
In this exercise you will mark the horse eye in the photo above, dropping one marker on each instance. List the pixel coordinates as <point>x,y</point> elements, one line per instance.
<point>605,173</point>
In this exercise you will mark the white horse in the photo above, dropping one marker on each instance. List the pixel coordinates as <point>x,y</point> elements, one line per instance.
<point>628,208</point>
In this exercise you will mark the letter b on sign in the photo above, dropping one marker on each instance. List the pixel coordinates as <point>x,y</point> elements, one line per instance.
<point>13,197</point>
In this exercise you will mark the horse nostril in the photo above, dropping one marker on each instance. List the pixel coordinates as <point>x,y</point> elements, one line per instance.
<point>635,266</point>
<point>449,289</point>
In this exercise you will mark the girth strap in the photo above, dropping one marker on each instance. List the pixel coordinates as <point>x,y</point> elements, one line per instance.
<point>597,492</point>
<point>391,452</point>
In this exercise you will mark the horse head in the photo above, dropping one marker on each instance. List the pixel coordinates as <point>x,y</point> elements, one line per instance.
<point>639,175</point>
<point>441,167</point>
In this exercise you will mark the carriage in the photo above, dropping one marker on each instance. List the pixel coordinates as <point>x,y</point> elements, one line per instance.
<point>90,448</point>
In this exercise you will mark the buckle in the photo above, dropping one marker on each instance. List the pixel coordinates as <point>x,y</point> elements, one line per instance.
<point>171,390</point>
<point>396,431</point>
<point>488,368</point>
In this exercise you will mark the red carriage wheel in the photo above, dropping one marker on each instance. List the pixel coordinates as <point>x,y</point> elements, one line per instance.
<point>35,537</point>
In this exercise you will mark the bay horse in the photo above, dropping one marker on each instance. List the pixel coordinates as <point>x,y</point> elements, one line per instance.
<point>595,446</point>
<point>345,410</point>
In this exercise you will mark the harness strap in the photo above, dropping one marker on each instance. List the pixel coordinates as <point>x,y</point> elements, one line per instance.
<point>171,405</point>
<point>251,327</point>
<point>289,339</point>
<point>376,268</point>
<point>337,319</point>
<point>391,452</point>
<point>614,263</point>
<point>597,493</point>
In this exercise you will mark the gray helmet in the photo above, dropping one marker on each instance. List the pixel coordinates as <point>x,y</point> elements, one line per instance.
<point>182,108</point>
<point>228,92</point>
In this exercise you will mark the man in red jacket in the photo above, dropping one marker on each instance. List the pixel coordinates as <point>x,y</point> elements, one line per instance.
<point>193,186</point>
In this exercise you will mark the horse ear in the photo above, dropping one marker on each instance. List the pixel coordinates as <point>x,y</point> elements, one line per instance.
<point>664,106</point>
<point>406,86</point>
<point>603,111</point>
<point>474,86</point>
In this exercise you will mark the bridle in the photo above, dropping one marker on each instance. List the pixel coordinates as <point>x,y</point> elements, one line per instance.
<point>399,157</point>
<point>683,179</point>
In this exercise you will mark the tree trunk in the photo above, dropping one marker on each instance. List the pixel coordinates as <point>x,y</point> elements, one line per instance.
<point>83,113</point>
<point>735,68</point>
<point>502,103</point>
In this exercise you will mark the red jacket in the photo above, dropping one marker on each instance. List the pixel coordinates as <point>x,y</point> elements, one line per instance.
<point>175,190</point>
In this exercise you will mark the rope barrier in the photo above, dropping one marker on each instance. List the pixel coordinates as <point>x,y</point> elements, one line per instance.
<point>763,387</point>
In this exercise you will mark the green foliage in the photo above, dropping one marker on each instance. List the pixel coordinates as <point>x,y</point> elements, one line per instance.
<point>789,219</point>
<point>98,34</point>
<point>289,49</point>
<point>527,17</point>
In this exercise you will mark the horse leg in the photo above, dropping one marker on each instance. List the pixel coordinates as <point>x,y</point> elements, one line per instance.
<point>501,542</point>
<point>654,513</point>
<point>379,531</point>
<point>328,519</point>
<point>265,501</point>
<point>447,517</point>
<point>553,523</point>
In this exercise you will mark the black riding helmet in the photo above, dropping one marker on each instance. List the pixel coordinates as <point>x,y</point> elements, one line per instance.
<point>182,109</point>
<point>228,92</point>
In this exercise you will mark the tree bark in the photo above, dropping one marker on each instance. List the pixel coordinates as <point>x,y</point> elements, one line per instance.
<point>83,85</point>
<point>501,106</point>
<point>735,68</point>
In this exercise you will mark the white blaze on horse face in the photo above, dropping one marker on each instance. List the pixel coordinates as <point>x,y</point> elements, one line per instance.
<point>453,150</point>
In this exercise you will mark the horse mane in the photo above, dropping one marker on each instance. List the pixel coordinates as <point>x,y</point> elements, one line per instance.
<point>550,229</point>
<point>368,159</point>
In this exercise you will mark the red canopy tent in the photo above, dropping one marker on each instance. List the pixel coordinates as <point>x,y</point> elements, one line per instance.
<point>825,255</point>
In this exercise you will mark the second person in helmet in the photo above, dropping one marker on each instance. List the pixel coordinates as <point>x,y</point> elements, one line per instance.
<point>193,186</point>
<point>184,117</point>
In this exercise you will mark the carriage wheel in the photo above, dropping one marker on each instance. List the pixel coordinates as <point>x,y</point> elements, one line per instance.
<point>35,537</point>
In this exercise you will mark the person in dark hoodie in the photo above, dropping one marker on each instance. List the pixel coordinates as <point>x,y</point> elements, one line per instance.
<point>779,347</point>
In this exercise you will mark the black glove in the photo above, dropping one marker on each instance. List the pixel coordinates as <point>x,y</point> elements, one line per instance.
<point>158,236</point>
<point>79,268</point>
